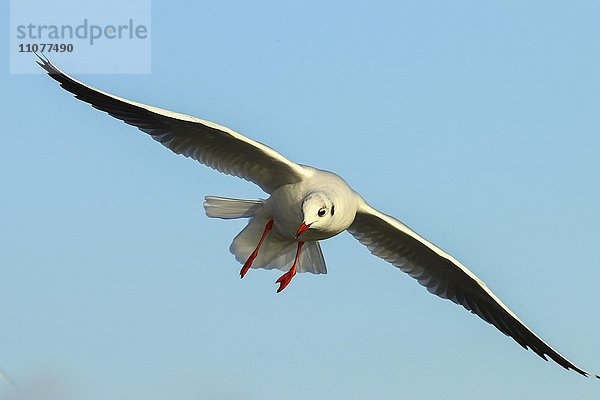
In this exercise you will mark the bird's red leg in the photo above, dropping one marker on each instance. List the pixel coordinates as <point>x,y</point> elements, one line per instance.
<point>250,259</point>
<point>286,278</point>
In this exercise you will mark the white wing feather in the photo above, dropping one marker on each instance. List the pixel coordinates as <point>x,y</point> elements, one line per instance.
<point>213,145</point>
<point>444,276</point>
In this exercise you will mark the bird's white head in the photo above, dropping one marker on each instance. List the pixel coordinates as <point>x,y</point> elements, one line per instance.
<point>318,211</point>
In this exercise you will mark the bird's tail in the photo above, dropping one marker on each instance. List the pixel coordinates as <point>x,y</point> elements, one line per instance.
<point>276,252</point>
<point>226,208</point>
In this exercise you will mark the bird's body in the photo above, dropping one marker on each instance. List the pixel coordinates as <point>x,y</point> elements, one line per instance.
<point>306,205</point>
<point>285,205</point>
<point>273,233</point>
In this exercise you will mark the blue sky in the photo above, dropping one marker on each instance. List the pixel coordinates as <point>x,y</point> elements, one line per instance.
<point>475,123</point>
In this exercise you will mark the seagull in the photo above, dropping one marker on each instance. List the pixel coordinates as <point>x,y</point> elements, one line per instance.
<point>305,205</point>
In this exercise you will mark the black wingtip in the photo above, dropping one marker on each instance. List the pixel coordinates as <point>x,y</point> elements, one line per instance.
<point>40,61</point>
<point>584,373</point>
<point>42,57</point>
<point>46,64</point>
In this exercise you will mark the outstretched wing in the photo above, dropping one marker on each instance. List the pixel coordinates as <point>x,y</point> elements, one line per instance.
<point>213,145</point>
<point>444,276</point>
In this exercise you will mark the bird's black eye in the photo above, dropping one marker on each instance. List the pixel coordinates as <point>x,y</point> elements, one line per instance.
<point>322,212</point>
<point>332,210</point>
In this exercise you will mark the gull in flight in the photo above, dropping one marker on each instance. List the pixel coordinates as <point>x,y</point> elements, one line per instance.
<point>305,205</point>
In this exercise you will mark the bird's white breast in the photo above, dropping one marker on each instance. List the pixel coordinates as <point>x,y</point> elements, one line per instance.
<point>285,205</point>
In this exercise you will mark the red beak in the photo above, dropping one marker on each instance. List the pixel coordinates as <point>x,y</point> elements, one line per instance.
<point>303,228</point>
